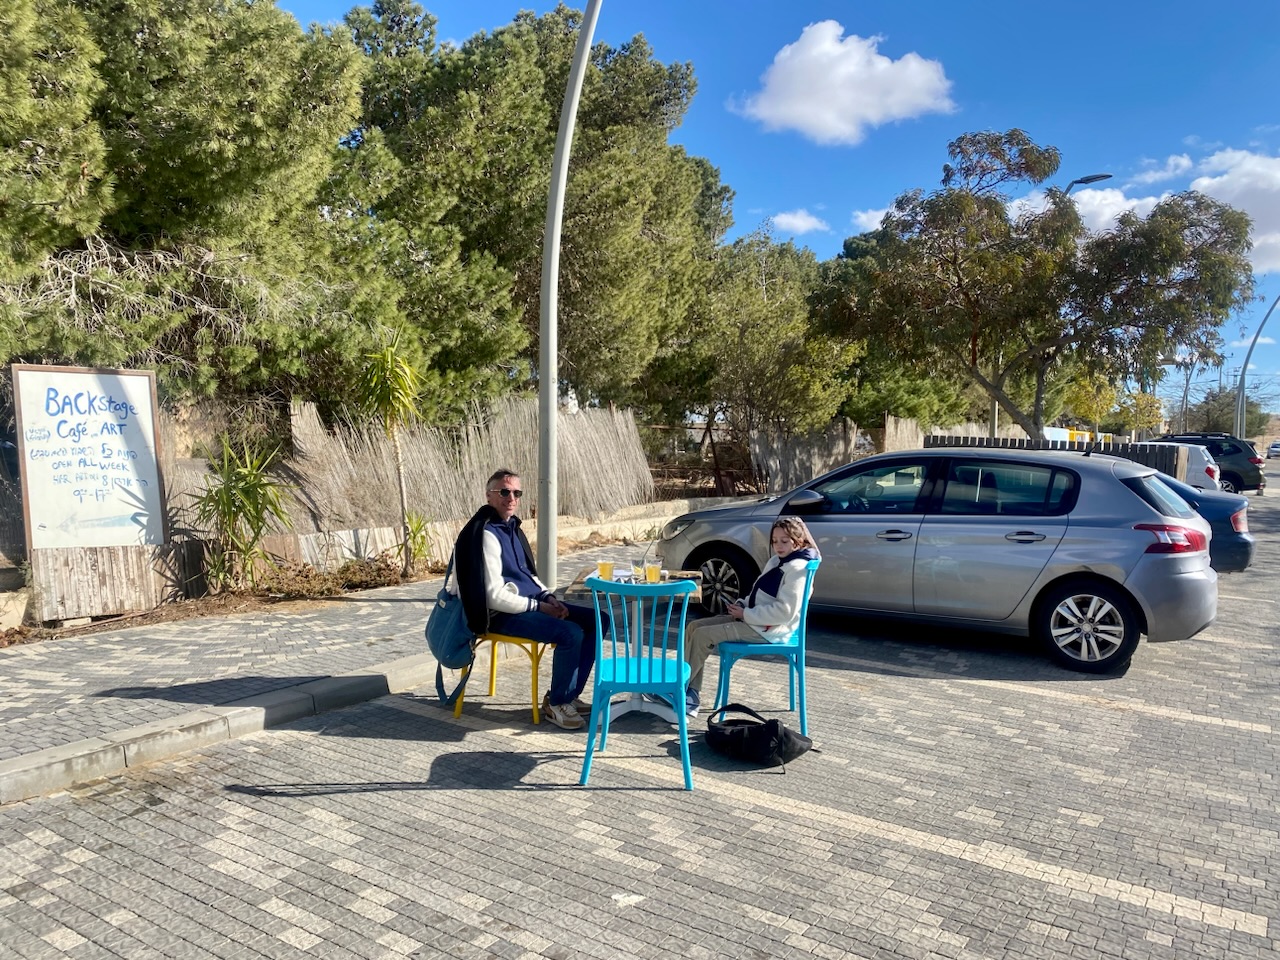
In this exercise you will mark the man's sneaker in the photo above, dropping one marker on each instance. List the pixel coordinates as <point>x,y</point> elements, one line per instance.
<point>581,707</point>
<point>692,703</point>
<point>562,715</point>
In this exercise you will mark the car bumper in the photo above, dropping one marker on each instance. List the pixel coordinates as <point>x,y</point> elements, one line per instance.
<point>1177,605</point>
<point>1232,554</point>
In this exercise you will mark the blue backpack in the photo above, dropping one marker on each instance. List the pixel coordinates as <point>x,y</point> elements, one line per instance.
<point>452,642</point>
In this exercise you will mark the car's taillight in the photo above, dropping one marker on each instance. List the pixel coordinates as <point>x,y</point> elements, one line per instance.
<point>1212,471</point>
<point>1256,460</point>
<point>1240,520</point>
<point>1173,539</point>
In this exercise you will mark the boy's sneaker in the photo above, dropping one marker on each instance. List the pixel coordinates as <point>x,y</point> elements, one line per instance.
<point>562,715</point>
<point>692,703</point>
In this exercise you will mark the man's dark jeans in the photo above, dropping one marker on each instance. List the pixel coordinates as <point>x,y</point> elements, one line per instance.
<point>574,640</point>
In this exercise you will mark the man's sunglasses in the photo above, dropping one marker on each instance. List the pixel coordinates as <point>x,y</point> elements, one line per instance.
<point>508,494</point>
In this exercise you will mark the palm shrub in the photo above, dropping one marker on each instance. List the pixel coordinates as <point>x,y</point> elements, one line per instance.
<point>388,391</point>
<point>240,502</point>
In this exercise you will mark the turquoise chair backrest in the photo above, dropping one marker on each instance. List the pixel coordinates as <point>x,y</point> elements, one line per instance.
<point>811,570</point>
<point>646,623</point>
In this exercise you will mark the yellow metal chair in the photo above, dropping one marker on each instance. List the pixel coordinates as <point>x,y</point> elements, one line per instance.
<point>533,648</point>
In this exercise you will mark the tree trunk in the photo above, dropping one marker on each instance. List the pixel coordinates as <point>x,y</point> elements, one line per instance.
<point>407,569</point>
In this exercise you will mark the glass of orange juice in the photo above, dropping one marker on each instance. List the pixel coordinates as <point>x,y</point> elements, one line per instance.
<point>604,569</point>
<point>652,572</point>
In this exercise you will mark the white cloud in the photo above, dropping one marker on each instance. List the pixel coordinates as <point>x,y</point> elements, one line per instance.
<point>1098,208</point>
<point>1249,182</point>
<point>798,221</point>
<point>832,88</point>
<point>1174,166</point>
<point>866,220</point>
<point>1262,341</point>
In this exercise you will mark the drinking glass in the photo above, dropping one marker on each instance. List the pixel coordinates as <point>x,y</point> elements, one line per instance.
<point>604,569</point>
<point>652,572</point>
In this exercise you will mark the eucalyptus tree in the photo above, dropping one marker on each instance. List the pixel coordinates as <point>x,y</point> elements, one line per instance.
<point>754,360</point>
<point>1003,298</point>
<point>881,381</point>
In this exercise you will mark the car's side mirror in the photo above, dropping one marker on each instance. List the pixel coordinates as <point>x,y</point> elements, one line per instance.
<point>806,500</point>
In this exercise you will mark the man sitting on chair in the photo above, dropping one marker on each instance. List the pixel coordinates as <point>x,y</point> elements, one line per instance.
<point>770,613</point>
<point>494,573</point>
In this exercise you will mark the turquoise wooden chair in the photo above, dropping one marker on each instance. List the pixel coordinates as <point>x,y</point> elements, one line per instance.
<point>731,651</point>
<point>642,652</point>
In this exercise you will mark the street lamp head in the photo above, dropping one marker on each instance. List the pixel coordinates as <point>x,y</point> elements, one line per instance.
<point>1091,178</point>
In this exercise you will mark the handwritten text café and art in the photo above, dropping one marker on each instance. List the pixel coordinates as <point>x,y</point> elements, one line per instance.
<point>89,459</point>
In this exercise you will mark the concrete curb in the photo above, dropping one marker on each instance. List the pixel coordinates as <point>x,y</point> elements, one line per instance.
<point>57,768</point>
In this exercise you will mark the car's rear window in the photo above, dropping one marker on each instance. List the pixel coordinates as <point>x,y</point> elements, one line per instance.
<point>1159,496</point>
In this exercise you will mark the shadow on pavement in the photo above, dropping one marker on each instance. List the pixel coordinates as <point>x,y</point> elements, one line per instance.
<point>891,648</point>
<point>209,692</point>
<point>460,770</point>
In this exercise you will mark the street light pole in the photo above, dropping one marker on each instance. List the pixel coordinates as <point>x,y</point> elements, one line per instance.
<point>995,404</point>
<point>1240,396</point>
<point>548,352</point>
<point>1091,178</point>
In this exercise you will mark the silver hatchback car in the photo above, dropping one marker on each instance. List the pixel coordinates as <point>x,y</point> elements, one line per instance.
<point>1082,553</point>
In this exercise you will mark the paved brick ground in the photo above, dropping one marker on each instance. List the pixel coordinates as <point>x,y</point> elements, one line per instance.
<point>59,691</point>
<point>967,800</point>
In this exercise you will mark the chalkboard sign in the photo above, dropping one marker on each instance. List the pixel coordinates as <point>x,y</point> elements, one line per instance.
<point>88,456</point>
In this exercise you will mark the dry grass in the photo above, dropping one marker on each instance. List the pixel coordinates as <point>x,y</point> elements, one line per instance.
<point>346,478</point>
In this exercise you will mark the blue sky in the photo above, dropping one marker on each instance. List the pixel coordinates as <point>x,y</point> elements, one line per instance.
<point>819,113</point>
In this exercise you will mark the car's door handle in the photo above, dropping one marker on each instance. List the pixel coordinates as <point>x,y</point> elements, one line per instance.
<point>894,535</point>
<point>1024,536</point>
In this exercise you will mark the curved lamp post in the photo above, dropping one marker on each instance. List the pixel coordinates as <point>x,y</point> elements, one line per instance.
<point>548,350</point>
<point>1091,178</point>
<point>1088,178</point>
<point>1240,397</point>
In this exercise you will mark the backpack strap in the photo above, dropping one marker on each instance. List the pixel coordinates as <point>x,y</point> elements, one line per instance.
<point>451,698</point>
<point>736,708</point>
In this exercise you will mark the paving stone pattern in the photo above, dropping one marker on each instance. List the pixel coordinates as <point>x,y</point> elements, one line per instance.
<point>60,691</point>
<point>967,800</point>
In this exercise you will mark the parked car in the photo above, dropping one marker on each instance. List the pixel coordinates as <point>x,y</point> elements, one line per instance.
<point>1081,552</point>
<point>1232,547</point>
<point>1239,463</point>
<point>1274,449</point>
<point>1202,470</point>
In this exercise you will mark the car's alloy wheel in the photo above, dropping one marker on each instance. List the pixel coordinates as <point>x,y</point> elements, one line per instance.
<point>1229,484</point>
<point>727,575</point>
<point>1088,626</point>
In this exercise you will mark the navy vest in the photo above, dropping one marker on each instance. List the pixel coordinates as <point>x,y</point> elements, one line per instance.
<point>514,568</point>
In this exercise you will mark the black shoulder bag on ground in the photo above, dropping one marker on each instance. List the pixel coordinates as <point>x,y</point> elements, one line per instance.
<point>765,743</point>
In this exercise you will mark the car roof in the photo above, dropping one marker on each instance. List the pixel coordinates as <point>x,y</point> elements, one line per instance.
<point>1077,459</point>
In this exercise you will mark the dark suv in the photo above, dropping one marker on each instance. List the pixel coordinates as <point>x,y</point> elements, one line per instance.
<point>1237,459</point>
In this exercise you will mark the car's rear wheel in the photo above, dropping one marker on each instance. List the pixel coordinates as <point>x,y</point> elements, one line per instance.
<point>1230,483</point>
<point>727,575</point>
<point>1087,625</point>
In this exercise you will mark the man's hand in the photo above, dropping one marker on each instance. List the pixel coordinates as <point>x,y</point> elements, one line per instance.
<point>553,607</point>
